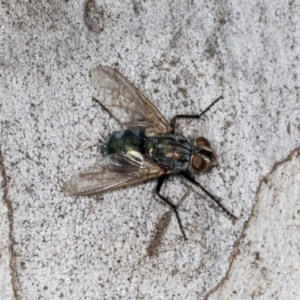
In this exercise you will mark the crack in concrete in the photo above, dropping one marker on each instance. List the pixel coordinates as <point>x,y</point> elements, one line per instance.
<point>235,249</point>
<point>7,201</point>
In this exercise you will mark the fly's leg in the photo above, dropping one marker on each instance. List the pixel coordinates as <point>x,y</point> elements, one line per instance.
<point>102,106</point>
<point>173,122</point>
<point>217,201</point>
<point>160,182</point>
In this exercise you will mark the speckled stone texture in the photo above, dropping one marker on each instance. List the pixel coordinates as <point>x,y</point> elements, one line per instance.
<point>182,55</point>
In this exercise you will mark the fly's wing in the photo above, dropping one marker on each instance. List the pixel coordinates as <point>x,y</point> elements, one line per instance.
<point>126,103</point>
<point>111,172</point>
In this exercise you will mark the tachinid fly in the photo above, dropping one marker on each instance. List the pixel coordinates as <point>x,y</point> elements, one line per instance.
<point>148,148</point>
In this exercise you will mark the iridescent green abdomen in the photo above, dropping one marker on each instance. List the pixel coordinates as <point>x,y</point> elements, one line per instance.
<point>124,141</point>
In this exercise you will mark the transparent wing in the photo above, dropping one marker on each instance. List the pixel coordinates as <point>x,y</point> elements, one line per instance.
<point>126,103</point>
<point>111,172</point>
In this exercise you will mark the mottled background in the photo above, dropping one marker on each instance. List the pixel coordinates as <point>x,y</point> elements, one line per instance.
<point>125,244</point>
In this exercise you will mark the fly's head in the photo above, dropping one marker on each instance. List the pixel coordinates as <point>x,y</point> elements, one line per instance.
<point>204,158</point>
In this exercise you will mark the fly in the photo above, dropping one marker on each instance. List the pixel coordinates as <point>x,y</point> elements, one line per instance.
<point>147,148</point>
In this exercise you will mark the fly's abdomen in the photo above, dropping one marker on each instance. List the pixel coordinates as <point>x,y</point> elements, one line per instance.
<point>170,151</point>
<point>124,141</point>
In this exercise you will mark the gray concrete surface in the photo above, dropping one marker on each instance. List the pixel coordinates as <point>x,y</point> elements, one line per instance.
<point>182,55</point>
<point>267,265</point>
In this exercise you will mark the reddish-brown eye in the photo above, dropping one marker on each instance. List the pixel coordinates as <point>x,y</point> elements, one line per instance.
<point>198,163</point>
<point>202,141</point>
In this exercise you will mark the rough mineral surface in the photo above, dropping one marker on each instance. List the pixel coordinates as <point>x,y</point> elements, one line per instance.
<point>182,55</point>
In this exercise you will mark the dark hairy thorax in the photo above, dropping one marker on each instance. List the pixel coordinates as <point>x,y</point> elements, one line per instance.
<point>173,152</point>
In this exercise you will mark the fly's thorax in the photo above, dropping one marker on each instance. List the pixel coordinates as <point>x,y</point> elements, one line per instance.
<point>171,151</point>
<point>203,158</point>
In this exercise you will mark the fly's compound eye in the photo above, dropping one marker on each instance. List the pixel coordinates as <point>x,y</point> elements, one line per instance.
<point>202,141</point>
<point>198,164</point>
